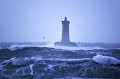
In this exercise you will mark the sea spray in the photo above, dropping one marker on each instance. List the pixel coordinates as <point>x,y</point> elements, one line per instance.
<point>31,68</point>
<point>106,60</point>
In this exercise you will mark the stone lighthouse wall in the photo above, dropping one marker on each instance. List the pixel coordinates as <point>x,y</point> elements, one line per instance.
<point>65,31</point>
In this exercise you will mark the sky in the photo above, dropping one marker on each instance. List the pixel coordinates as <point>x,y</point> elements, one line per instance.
<point>31,20</point>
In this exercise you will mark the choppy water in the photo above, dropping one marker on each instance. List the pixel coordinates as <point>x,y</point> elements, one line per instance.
<point>56,62</point>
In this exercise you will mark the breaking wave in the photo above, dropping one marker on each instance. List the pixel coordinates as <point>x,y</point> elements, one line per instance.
<point>48,62</point>
<point>106,60</point>
<point>73,48</point>
<point>18,47</point>
<point>37,67</point>
<point>51,68</point>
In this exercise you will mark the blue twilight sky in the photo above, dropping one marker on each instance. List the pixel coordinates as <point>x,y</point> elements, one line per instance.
<point>31,20</point>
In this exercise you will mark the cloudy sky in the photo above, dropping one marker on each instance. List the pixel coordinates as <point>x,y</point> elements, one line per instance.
<point>31,20</point>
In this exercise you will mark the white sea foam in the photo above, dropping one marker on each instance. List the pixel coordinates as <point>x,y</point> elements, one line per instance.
<point>72,48</point>
<point>106,60</point>
<point>22,60</point>
<point>31,68</point>
<point>37,58</point>
<point>51,67</point>
<point>19,61</point>
<point>53,59</point>
<point>16,47</point>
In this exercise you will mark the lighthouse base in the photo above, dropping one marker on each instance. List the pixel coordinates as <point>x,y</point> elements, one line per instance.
<point>68,44</point>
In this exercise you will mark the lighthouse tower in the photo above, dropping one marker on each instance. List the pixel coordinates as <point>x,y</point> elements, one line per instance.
<point>65,31</point>
<point>65,41</point>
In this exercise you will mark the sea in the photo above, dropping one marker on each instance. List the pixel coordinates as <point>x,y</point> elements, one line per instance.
<point>46,61</point>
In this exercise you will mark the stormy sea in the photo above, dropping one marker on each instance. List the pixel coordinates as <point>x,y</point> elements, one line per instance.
<point>46,61</point>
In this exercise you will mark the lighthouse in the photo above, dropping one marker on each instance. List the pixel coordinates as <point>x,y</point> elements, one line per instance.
<point>65,31</point>
<point>65,41</point>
